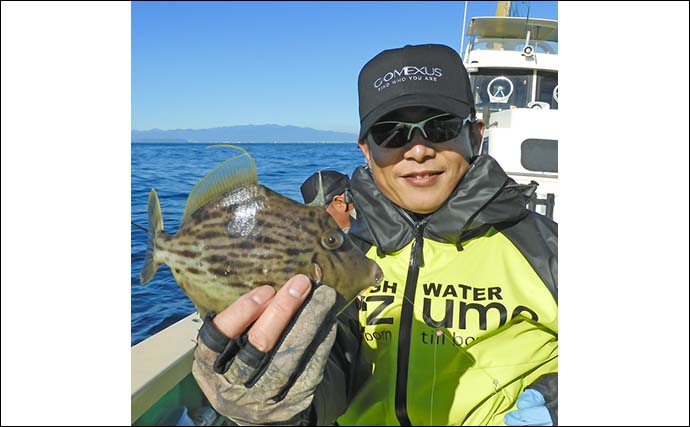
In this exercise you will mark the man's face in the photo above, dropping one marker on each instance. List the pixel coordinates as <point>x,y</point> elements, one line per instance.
<point>420,175</point>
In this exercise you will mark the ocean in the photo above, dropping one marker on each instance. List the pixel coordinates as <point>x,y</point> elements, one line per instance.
<point>173,170</point>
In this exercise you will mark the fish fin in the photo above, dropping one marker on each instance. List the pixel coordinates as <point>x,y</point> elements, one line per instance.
<point>234,172</point>
<point>155,225</point>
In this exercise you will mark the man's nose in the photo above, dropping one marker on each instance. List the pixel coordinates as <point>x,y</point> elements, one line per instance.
<point>419,148</point>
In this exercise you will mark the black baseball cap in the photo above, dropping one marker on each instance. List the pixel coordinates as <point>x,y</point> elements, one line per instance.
<point>428,75</point>
<point>320,188</point>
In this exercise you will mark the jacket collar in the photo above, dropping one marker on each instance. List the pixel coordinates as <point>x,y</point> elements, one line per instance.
<point>484,196</point>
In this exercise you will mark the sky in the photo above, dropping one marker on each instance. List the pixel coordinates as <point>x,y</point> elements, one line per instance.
<point>209,64</point>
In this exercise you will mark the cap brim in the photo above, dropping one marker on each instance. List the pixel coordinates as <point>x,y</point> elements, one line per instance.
<point>439,102</point>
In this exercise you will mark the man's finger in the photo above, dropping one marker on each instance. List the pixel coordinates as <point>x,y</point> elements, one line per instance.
<point>246,309</point>
<point>270,325</point>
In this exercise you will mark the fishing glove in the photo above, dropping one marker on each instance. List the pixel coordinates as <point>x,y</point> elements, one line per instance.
<point>537,405</point>
<point>284,386</point>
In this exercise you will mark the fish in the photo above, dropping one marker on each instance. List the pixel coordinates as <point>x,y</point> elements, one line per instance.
<point>236,235</point>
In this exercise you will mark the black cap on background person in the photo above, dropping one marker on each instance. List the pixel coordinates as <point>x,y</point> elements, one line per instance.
<point>327,189</point>
<point>320,188</point>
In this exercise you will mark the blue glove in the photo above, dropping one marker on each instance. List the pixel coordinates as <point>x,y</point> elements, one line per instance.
<point>531,411</point>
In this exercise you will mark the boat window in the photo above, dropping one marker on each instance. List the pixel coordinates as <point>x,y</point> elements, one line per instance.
<point>547,88</point>
<point>513,44</point>
<point>501,89</point>
<point>539,155</point>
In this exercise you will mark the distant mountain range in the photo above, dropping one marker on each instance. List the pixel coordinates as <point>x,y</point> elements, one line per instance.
<point>246,133</point>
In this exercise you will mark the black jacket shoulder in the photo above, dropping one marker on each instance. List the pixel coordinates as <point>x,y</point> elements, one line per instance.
<point>536,236</point>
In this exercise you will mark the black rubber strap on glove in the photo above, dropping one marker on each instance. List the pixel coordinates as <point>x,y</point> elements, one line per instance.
<point>227,348</point>
<point>253,357</point>
<point>227,356</point>
<point>211,336</point>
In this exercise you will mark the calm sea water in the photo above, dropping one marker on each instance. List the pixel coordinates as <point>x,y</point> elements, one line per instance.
<point>173,169</point>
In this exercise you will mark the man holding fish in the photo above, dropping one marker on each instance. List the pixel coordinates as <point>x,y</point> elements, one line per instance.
<point>463,328</point>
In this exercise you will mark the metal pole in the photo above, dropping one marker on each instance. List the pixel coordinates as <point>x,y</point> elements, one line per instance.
<point>462,39</point>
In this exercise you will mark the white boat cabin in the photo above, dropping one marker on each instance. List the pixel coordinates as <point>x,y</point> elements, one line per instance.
<point>513,67</point>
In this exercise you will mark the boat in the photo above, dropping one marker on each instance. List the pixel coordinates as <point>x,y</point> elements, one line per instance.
<point>513,68</point>
<point>164,391</point>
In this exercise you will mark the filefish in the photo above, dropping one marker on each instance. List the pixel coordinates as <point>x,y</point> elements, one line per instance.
<point>236,235</point>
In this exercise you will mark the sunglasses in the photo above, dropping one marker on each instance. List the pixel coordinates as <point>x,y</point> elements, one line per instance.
<point>395,134</point>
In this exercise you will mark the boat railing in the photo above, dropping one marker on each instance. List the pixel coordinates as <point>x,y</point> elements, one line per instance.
<point>161,361</point>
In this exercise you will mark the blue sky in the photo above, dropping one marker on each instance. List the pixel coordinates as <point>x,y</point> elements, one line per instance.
<point>208,64</point>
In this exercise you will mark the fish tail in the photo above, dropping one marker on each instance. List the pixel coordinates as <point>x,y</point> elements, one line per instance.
<point>155,225</point>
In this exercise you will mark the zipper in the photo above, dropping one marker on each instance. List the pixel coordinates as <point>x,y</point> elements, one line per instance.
<point>416,261</point>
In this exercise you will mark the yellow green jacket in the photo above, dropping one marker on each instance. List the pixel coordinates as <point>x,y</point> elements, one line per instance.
<point>467,315</point>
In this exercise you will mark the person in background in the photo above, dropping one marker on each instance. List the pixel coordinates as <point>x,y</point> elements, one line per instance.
<point>328,189</point>
<point>463,330</point>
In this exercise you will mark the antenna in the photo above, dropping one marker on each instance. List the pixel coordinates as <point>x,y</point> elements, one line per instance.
<point>503,8</point>
<point>462,39</point>
<point>527,51</point>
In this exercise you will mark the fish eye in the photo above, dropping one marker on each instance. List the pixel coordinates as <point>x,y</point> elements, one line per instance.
<point>332,239</point>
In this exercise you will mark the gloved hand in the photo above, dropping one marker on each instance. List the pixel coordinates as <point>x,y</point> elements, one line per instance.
<point>531,411</point>
<point>269,374</point>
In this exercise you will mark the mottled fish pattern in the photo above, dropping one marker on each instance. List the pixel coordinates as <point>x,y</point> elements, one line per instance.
<point>248,236</point>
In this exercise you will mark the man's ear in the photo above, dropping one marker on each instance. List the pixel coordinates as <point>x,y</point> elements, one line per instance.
<point>339,198</point>
<point>476,135</point>
<point>364,147</point>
